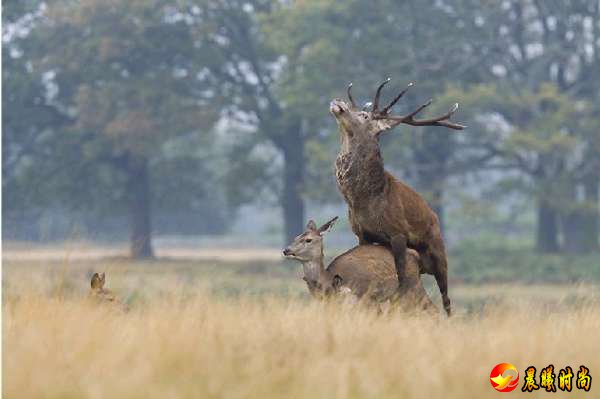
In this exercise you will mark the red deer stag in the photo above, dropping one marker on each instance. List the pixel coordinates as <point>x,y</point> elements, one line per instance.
<point>381,208</point>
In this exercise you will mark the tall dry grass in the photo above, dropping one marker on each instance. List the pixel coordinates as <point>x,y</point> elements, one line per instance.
<point>245,331</point>
<point>203,347</point>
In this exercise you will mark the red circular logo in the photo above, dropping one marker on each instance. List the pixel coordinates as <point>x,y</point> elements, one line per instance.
<point>504,377</point>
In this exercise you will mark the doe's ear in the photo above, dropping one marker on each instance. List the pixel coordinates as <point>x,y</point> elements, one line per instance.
<point>327,225</point>
<point>311,225</point>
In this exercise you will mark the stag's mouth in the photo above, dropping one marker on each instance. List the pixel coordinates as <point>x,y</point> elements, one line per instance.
<point>337,107</point>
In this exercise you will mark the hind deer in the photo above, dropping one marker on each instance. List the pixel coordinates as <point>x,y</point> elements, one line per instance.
<point>381,208</point>
<point>102,295</point>
<point>363,272</point>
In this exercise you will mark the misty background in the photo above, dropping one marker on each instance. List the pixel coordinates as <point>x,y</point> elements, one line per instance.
<point>152,122</point>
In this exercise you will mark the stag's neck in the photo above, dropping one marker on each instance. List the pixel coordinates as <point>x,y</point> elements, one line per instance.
<point>360,172</point>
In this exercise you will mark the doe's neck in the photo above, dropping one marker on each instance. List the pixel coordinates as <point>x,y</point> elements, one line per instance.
<point>314,271</point>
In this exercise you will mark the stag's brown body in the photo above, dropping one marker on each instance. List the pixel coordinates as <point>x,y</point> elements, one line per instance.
<point>382,209</point>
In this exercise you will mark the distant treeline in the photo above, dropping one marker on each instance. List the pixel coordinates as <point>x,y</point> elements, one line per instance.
<point>167,116</point>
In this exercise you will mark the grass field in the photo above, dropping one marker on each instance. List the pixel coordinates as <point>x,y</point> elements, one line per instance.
<point>247,329</point>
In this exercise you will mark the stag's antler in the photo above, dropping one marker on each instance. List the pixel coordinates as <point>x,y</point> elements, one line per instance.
<point>350,96</point>
<point>443,120</point>
<point>378,94</point>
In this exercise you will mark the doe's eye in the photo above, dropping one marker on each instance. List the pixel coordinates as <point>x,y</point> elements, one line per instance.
<point>308,240</point>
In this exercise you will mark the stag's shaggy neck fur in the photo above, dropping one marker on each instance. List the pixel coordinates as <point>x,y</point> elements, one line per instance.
<point>359,169</point>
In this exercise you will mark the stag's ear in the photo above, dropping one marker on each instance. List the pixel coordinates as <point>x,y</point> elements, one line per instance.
<point>311,225</point>
<point>327,225</point>
<point>381,125</point>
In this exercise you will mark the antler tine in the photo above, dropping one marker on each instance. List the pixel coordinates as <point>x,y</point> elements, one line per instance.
<point>350,95</point>
<point>421,108</point>
<point>443,120</point>
<point>378,94</point>
<point>395,100</point>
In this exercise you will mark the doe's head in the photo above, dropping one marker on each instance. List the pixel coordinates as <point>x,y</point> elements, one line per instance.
<point>308,245</point>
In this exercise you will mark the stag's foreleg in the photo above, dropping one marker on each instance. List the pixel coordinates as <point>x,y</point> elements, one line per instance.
<point>357,230</point>
<point>406,281</point>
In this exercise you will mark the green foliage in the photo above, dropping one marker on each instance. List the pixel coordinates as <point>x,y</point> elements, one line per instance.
<point>93,87</point>
<point>479,261</point>
<point>107,85</point>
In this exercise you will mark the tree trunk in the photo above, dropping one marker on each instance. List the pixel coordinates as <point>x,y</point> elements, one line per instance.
<point>292,147</point>
<point>140,209</point>
<point>592,220</point>
<point>581,222</point>
<point>547,227</point>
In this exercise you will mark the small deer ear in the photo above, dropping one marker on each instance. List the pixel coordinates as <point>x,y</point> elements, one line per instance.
<point>95,283</point>
<point>311,225</point>
<point>337,281</point>
<point>327,225</point>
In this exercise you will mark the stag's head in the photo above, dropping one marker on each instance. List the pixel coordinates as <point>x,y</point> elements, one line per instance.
<point>358,124</point>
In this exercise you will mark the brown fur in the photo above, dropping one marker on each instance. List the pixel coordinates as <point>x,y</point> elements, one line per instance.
<point>383,209</point>
<point>365,272</point>
<point>100,294</point>
<point>369,271</point>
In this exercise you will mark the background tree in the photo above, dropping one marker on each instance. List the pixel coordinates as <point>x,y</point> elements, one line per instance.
<point>247,70</point>
<point>111,108</point>
<point>122,72</point>
<point>512,42</point>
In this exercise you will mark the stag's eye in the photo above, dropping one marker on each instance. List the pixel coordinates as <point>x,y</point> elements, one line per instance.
<point>308,240</point>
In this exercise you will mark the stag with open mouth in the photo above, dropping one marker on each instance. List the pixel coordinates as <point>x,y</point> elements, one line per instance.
<point>382,209</point>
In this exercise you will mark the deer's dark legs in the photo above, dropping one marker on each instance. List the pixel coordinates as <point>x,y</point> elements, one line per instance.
<point>362,239</point>
<point>439,267</point>
<point>398,246</point>
<point>442,282</point>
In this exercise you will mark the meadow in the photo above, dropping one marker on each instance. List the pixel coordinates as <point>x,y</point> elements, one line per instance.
<point>231,327</point>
